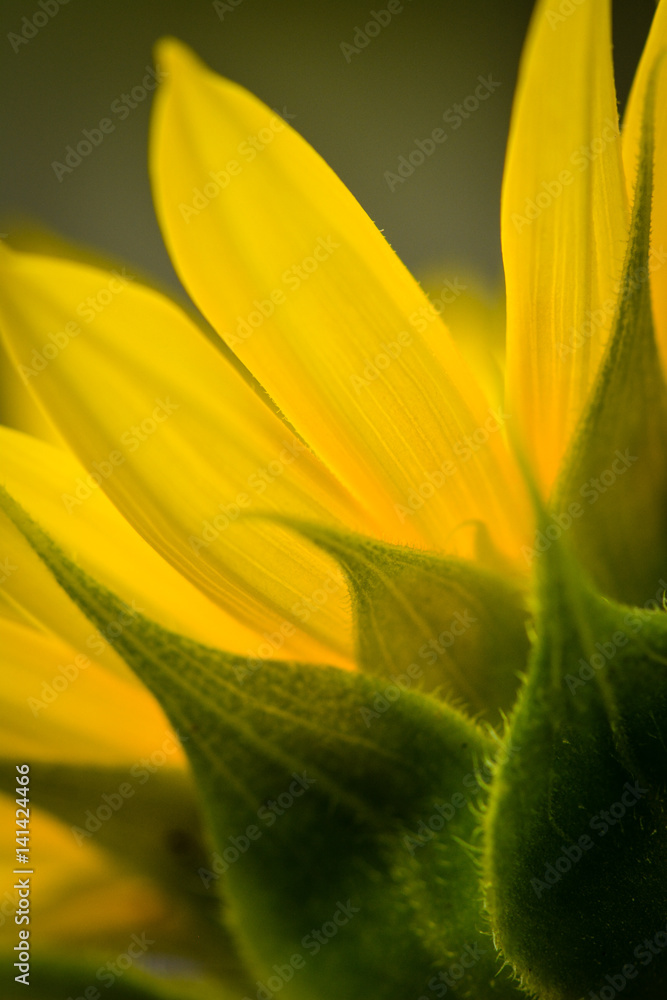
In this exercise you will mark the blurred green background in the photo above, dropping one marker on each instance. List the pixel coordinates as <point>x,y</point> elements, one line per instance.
<point>361,115</point>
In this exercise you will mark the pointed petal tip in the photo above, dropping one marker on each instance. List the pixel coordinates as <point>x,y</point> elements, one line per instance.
<point>181,66</point>
<point>178,62</point>
<point>171,53</point>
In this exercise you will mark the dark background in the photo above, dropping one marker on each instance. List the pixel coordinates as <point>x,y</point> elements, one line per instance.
<point>361,115</point>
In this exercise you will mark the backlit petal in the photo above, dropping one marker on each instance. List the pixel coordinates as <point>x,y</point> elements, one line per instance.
<point>299,282</point>
<point>475,314</point>
<point>655,46</point>
<point>40,478</point>
<point>181,445</point>
<point>30,597</point>
<point>58,704</point>
<point>564,223</point>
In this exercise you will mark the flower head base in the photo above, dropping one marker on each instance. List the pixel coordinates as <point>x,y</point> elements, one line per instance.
<point>397,614</point>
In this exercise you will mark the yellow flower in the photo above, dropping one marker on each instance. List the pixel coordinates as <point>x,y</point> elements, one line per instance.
<point>326,475</point>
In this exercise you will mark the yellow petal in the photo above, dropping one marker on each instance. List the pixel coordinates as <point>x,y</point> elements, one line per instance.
<point>475,314</point>
<point>82,899</point>
<point>40,476</point>
<point>30,596</point>
<point>295,277</point>
<point>181,445</point>
<point>17,406</point>
<point>59,705</point>
<point>655,47</point>
<point>564,223</point>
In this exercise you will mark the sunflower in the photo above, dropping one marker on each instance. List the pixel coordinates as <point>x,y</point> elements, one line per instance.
<point>337,638</point>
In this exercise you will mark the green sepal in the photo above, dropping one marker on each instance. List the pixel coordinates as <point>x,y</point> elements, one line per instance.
<point>463,628</point>
<point>575,847</point>
<point>613,488</point>
<point>311,804</point>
